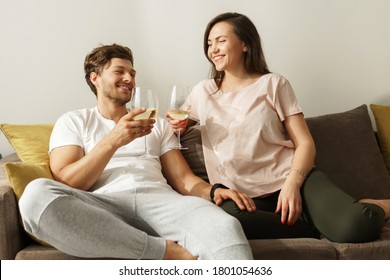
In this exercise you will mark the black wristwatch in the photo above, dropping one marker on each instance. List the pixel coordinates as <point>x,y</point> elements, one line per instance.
<point>214,187</point>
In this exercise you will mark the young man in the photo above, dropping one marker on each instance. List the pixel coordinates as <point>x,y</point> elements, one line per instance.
<point>106,202</point>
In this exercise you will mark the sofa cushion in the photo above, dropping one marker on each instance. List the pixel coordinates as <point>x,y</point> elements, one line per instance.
<point>37,252</point>
<point>292,249</point>
<point>3,177</point>
<point>382,119</point>
<point>347,151</point>
<point>192,140</point>
<point>31,142</point>
<point>19,174</point>
<point>11,235</point>
<point>376,250</point>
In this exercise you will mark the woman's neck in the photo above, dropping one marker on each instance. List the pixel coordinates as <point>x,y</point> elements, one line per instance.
<point>234,82</point>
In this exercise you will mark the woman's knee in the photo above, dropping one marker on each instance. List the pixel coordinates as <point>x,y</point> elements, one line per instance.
<point>230,207</point>
<point>362,225</point>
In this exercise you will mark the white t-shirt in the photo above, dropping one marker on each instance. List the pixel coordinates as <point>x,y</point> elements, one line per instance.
<point>125,170</point>
<point>245,144</point>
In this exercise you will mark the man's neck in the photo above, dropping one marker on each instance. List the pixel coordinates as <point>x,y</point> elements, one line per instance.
<point>112,111</point>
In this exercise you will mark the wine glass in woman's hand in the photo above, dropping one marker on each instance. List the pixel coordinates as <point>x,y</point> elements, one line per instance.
<point>177,97</point>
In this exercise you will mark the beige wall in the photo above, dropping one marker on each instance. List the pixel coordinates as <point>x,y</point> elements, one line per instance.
<point>334,52</point>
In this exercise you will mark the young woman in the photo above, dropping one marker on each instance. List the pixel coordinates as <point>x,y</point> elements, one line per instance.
<point>255,140</point>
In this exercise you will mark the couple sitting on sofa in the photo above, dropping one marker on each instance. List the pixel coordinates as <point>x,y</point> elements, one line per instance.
<point>107,202</point>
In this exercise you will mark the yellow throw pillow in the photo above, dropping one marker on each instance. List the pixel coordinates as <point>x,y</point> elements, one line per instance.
<point>20,174</point>
<point>382,119</point>
<point>31,142</point>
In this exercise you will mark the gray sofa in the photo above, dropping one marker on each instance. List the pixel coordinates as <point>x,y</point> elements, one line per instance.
<point>347,151</point>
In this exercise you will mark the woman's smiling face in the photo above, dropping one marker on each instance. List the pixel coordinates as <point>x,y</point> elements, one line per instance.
<point>225,48</point>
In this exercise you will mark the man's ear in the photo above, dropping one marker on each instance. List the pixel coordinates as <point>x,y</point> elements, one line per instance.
<point>93,77</point>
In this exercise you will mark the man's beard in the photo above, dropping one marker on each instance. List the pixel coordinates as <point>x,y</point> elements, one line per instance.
<point>118,100</point>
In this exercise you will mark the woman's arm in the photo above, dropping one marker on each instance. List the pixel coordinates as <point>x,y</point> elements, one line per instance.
<point>290,203</point>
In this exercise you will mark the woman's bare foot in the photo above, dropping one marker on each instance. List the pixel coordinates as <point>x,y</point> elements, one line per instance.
<point>174,251</point>
<point>383,203</point>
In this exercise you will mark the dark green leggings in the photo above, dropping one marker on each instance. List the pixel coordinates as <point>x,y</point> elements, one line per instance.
<point>327,210</point>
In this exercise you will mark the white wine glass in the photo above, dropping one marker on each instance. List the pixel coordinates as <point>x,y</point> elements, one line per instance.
<point>145,97</point>
<point>177,96</point>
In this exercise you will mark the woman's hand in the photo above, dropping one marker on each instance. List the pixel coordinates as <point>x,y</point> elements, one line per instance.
<point>178,125</point>
<point>243,201</point>
<point>289,204</point>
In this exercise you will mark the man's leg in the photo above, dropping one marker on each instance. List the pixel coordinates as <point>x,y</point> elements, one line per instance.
<point>198,225</point>
<point>84,224</point>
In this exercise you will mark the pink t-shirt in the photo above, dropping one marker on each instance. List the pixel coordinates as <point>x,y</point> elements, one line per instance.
<point>245,144</point>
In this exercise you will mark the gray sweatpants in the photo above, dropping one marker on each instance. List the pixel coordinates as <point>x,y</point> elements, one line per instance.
<point>131,224</point>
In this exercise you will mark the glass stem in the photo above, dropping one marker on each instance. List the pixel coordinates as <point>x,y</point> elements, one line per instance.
<point>178,137</point>
<point>146,148</point>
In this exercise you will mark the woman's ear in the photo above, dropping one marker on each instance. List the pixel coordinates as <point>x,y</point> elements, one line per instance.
<point>244,49</point>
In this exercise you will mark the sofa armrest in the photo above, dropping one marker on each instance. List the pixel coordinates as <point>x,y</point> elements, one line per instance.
<point>11,232</point>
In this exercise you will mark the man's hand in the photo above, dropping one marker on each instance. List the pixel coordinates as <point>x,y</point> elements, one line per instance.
<point>127,129</point>
<point>174,251</point>
<point>243,201</point>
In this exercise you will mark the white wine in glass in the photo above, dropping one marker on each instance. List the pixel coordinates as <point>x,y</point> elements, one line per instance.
<point>150,113</point>
<point>145,97</point>
<point>177,97</point>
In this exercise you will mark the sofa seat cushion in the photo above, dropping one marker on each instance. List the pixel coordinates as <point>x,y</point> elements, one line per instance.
<point>292,249</point>
<point>38,252</point>
<point>376,250</point>
<point>263,249</point>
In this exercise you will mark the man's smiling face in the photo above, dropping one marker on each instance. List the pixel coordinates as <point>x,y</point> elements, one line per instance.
<point>116,81</point>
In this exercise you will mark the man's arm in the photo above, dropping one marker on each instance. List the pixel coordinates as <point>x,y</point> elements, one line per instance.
<point>180,177</point>
<point>71,166</point>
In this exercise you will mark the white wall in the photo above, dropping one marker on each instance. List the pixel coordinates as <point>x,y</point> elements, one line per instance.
<point>335,53</point>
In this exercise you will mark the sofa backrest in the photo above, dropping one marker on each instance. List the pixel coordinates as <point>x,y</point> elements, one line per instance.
<point>347,151</point>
